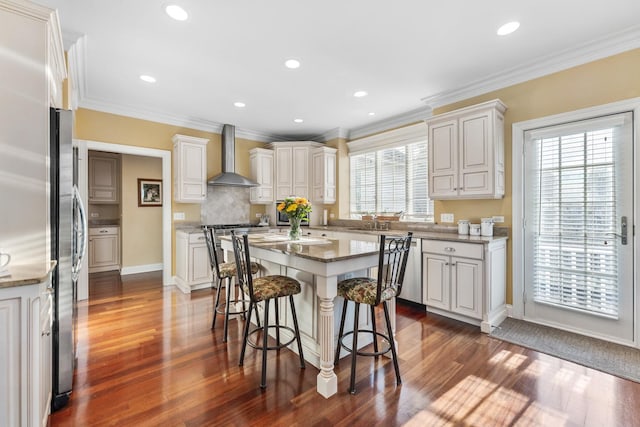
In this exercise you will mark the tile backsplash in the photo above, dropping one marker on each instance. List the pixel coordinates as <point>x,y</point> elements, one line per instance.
<point>226,205</point>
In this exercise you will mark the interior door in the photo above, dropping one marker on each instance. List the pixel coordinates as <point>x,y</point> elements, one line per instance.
<point>578,227</point>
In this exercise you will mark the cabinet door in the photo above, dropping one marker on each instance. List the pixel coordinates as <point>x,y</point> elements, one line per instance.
<point>323,179</point>
<point>284,185</point>
<point>103,179</point>
<point>193,171</point>
<point>262,172</point>
<point>104,252</point>
<point>475,155</point>
<point>45,357</point>
<point>443,158</point>
<point>300,172</point>
<point>199,267</point>
<point>11,387</point>
<point>466,287</point>
<point>436,281</point>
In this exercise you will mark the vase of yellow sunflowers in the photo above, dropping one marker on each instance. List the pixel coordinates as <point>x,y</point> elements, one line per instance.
<point>297,209</point>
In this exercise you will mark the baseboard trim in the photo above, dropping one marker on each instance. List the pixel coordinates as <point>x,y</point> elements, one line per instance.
<point>135,269</point>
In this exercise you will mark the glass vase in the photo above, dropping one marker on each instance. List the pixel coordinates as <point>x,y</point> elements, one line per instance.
<point>294,230</point>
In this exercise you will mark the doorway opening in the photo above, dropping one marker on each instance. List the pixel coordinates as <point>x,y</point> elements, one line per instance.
<point>83,148</point>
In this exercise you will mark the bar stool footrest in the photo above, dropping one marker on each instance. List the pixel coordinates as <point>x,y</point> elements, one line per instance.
<point>367,353</point>
<point>276,347</point>
<point>221,306</point>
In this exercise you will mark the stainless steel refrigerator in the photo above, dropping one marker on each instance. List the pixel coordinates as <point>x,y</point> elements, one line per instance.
<point>68,243</point>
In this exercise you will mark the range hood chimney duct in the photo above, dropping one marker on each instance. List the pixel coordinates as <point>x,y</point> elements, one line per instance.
<point>228,175</point>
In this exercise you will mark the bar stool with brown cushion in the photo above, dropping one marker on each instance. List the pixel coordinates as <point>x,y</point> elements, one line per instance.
<point>392,262</point>
<point>221,271</point>
<point>264,289</point>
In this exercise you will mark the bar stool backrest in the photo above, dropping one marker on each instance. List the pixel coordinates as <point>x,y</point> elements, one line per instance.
<point>210,238</point>
<point>243,262</point>
<point>394,252</point>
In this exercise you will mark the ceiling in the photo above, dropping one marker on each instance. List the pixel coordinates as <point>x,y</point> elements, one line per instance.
<point>409,56</point>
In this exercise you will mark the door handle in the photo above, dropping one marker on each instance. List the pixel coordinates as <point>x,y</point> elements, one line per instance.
<point>623,231</point>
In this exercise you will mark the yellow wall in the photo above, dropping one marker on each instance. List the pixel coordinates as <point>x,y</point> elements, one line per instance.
<point>104,127</point>
<point>141,227</point>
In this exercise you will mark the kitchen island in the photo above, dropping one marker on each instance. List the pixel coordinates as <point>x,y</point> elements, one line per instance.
<point>318,263</point>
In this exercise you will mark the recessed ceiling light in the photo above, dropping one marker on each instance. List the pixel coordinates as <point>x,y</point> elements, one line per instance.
<point>292,63</point>
<point>176,12</point>
<point>298,120</point>
<point>147,78</point>
<point>508,28</point>
<point>360,93</point>
<point>371,114</point>
<point>239,104</point>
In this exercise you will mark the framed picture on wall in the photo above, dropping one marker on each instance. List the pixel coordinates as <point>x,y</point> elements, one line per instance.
<point>149,192</point>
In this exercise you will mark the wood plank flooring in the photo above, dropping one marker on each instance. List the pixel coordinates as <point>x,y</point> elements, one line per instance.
<point>147,357</point>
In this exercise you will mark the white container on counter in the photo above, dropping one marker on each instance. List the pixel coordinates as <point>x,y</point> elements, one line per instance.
<point>463,226</point>
<point>474,229</point>
<point>486,225</point>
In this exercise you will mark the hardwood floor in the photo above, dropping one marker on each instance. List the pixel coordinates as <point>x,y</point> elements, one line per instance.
<point>147,356</point>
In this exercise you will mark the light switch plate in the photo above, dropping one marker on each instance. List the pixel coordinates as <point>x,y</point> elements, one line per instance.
<point>497,218</point>
<point>178,216</point>
<point>446,217</point>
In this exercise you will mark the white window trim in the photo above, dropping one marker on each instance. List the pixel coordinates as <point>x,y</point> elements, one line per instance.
<point>517,180</point>
<point>393,138</point>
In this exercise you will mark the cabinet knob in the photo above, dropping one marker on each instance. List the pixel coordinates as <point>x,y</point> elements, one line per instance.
<point>46,333</point>
<point>450,249</point>
<point>104,231</point>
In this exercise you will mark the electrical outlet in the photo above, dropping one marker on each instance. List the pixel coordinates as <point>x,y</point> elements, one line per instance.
<point>178,216</point>
<point>331,216</point>
<point>446,217</point>
<point>258,215</point>
<point>497,218</point>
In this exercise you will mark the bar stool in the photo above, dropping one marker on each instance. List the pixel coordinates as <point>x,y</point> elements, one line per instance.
<point>394,253</point>
<point>265,288</point>
<point>224,271</point>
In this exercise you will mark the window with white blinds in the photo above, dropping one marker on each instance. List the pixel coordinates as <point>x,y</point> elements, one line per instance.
<point>571,194</point>
<point>391,179</point>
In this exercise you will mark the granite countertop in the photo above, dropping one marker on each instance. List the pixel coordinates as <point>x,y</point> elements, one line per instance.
<point>314,248</point>
<point>417,233</point>
<point>26,274</point>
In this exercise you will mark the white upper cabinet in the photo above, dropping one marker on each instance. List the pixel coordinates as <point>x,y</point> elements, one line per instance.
<point>466,153</point>
<point>261,162</point>
<point>104,177</point>
<point>323,180</point>
<point>189,169</point>
<point>305,169</point>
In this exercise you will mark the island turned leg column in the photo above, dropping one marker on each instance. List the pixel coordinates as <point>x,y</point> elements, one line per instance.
<point>327,384</point>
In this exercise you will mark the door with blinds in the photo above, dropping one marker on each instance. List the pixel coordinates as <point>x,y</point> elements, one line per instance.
<point>578,227</point>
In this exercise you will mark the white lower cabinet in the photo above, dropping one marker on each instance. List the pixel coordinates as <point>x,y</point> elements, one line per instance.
<point>25,354</point>
<point>193,270</point>
<point>104,249</point>
<point>466,281</point>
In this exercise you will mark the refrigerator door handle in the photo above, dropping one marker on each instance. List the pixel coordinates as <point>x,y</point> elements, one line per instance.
<point>81,235</point>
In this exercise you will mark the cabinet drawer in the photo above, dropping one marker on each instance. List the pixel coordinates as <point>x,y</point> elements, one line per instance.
<point>443,247</point>
<point>197,237</point>
<point>103,231</point>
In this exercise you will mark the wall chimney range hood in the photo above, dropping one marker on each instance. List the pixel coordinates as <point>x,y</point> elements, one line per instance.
<point>228,176</point>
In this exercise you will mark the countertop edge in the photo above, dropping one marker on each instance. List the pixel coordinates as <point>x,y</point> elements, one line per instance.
<point>26,274</point>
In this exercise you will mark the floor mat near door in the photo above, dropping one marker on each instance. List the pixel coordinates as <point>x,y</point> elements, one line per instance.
<point>593,353</point>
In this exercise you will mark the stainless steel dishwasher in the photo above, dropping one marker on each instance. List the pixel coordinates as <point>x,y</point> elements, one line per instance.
<point>412,284</point>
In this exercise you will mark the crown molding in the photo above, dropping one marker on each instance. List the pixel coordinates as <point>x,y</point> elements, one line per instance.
<point>170,119</point>
<point>28,9</point>
<point>617,43</point>
<point>332,134</point>
<point>399,120</point>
